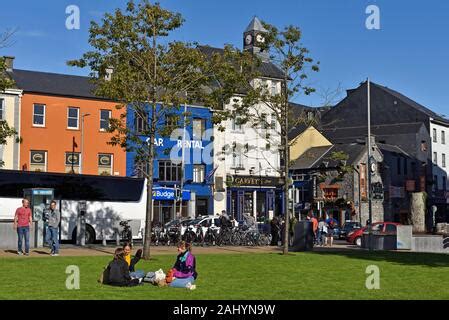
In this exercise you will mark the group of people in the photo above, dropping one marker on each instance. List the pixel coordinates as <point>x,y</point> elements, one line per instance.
<point>323,229</point>
<point>23,222</point>
<point>121,271</point>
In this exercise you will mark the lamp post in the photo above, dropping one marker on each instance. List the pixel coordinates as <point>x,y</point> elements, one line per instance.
<point>370,205</point>
<point>82,140</point>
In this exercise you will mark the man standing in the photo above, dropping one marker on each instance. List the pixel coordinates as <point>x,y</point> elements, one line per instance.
<point>52,236</point>
<point>22,222</point>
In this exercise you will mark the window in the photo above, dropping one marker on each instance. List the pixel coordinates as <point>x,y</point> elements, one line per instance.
<point>38,161</point>
<point>273,121</point>
<point>171,121</point>
<point>274,88</point>
<point>198,128</point>
<point>139,124</point>
<point>399,165</point>
<point>2,108</point>
<point>435,135</point>
<point>263,121</point>
<point>237,159</point>
<point>168,171</point>
<point>72,159</point>
<point>390,228</point>
<point>310,115</point>
<point>444,183</point>
<point>405,166</point>
<point>105,115</point>
<point>443,137</point>
<point>435,158</point>
<point>39,115</point>
<point>443,160</point>
<point>236,123</point>
<point>198,173</point>
<point>423,146</point>
<point>73,118</point>
<point>105,164</point>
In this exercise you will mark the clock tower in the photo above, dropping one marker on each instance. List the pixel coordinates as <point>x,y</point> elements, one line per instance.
<point>254,38</point>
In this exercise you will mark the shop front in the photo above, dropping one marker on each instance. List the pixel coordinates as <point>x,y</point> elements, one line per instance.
<point>166,206</point>
<point>257,196</point>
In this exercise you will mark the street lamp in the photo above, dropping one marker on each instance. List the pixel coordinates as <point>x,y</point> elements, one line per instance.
<point>82,139</point>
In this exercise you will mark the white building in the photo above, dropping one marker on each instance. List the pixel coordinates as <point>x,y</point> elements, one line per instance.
<point>10,100</point>
<point>247,158</point>
<point>439,134</point>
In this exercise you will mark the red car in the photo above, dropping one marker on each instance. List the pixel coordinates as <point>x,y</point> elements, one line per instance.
<point>355,236</point>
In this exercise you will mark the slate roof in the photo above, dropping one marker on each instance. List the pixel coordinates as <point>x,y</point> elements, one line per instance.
<point>350,134</point>
<point>255,25</point>
<point>53,83</point>
<point>412,103</point>
<point>266,69</point>
<point>316,156</point>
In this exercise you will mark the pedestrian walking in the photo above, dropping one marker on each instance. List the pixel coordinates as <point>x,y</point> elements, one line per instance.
<point>53,219</point>
<point>322,232</point>
<point>331,223</point>
<point>23,220</point>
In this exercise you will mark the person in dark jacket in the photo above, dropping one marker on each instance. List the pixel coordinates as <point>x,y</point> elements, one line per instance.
<point>274,231</point>
<point>184,274</point>
<point>117,272</point>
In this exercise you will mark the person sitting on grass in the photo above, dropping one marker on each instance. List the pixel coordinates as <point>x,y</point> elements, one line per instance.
<point>117,272</point>
<point>127,247</point>
<point>184,273</point>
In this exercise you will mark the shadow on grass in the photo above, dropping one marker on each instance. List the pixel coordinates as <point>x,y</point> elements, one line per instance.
<point>404,258</point>
<point>41,252</point>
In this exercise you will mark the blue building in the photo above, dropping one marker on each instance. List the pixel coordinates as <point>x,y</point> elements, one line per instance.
<point>196,144</point>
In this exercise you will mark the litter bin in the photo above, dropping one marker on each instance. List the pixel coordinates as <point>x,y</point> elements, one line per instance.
<point>303,239</point>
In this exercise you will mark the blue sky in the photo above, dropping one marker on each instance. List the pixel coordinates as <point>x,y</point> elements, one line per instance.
<point>410,53</point>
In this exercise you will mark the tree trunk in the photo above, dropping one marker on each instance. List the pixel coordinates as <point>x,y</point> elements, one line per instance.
<point>418,212</point>
<point>149,206</point>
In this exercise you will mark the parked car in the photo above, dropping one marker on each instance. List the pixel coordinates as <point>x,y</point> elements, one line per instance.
<point>348,227</point>
<point>204,222</point>
<point>355,236</point>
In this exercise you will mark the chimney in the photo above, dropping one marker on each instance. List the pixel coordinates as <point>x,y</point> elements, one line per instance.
<point>9,63</point>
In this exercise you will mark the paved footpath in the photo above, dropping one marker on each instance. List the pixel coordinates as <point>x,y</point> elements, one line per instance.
<point>68,250</point>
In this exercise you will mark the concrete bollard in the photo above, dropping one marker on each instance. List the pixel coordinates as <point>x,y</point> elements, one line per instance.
<point>117,238</point>
<point>103,238</point>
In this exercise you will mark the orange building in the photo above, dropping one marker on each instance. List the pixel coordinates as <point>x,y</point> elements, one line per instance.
<point>63,126</point>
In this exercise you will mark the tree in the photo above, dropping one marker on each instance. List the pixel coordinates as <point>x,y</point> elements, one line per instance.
<point>287,52</point>
<point>5,82</point>
<point>152,77</point>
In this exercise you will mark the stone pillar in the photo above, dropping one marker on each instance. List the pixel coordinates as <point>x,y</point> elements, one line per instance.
<point>418,211</point>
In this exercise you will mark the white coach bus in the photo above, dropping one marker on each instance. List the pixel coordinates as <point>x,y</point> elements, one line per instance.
<point>108,200</point>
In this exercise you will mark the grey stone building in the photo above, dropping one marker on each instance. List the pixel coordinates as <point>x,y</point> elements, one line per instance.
<point>329,184</point>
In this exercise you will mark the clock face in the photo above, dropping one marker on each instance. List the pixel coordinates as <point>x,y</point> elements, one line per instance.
<point>248,39</point>
<point>373,167</point>
<point>260,38</point>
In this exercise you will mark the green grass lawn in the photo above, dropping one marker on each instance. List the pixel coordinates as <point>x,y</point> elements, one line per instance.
<point>325,275</point>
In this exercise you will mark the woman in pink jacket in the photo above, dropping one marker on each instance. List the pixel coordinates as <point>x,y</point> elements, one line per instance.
<point>185,273</point>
